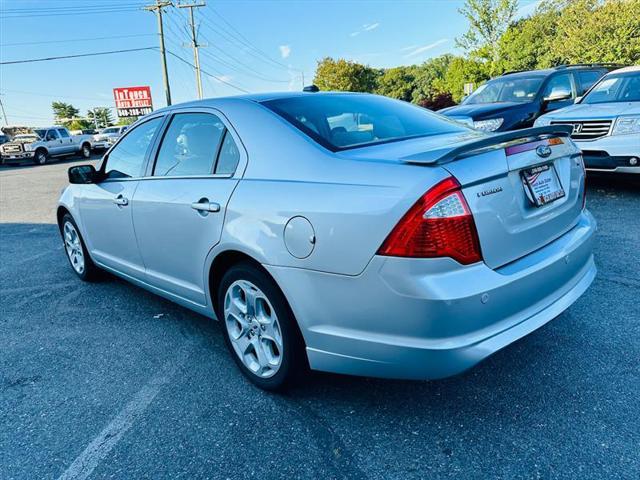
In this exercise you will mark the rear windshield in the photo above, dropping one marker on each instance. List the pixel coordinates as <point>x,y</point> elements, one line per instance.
<point>340,122</point>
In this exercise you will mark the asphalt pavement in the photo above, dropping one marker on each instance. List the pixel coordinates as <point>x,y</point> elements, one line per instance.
<point>106,380</point>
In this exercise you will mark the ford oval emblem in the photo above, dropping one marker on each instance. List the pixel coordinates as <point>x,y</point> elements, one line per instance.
<point>543,151</point>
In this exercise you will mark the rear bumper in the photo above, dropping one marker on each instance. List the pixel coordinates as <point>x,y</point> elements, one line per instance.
<point>432,318</point>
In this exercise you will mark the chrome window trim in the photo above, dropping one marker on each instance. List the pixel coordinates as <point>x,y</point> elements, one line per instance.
<point>244,156</point>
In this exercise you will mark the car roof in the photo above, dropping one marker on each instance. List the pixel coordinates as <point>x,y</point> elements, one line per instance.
<point>253,97</point>
<point>634,68</point>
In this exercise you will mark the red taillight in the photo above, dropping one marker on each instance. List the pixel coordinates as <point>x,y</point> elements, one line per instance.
<point>439,224</point>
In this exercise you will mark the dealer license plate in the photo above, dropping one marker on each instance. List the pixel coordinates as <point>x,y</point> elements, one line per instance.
<point>543,184</point>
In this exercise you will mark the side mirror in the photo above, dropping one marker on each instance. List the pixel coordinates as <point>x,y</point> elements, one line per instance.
<point>557,96</point>
<point>83,174</point>
<point>50,138</point>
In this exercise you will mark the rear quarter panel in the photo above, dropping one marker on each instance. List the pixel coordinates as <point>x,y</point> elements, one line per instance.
<point>352,204</point>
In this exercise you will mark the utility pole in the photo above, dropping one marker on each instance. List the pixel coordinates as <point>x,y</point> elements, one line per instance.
<point>194,42</point>
<point>157,8</point>
<point>4,114</point>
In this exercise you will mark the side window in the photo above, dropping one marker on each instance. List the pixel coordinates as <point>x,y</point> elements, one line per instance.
<point>127,157</point>
<point>587,79</point>
<point>52,135</point>
<point>190,145</point>
<point>229,156</point>
<point>63,133</point>
<point>559,86</point>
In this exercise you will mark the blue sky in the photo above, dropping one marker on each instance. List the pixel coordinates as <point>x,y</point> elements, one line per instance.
<point>254,45</point>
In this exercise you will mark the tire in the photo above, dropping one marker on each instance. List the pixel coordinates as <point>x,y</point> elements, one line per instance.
<point>76,251</point>
<point>41,157</point>
<point>274,350</point>
<point>85,151</point>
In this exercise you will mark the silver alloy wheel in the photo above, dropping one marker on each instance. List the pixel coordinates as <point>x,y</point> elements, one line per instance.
<point>86,151</point>
<point>41,158</point>
<point>73,246</point>
<point>253,328</point>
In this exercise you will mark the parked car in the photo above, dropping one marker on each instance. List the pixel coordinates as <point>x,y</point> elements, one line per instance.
<point>45,143</point>
<point>108,136</point>
<point>516,99</point>
<point>399,244</point>
<point>606,122</point>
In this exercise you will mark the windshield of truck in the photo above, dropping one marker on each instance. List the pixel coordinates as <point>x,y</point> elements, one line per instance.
<point>111,130</point>
<point>40,132</point>
<point>515,89</point>
<point>620,87</point>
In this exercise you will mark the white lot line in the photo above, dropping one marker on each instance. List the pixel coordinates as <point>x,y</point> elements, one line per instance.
<point>100,447</point>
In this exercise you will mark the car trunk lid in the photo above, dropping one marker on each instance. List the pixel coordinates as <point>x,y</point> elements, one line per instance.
<point>490,170</point>
<point>510,223</point>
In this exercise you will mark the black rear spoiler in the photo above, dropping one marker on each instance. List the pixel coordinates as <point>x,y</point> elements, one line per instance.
<point>490,142</point>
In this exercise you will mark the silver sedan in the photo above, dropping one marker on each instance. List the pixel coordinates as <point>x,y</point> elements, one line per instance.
<point>340,232</point>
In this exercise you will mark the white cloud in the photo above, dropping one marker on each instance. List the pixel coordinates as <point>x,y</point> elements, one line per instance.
<point>285,50</point>
<point>409,47</point>
<point>222,78</point>
<point>367,27</point>
<point>424,48</point>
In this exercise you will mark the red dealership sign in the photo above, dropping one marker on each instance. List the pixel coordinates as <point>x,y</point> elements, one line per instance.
<point>133,101</point>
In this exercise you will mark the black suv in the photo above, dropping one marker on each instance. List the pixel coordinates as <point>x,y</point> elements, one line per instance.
<point>515,99</point>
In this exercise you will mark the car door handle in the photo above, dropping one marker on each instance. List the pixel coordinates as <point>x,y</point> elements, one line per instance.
<point>121,201</point>
<point>205,205</point>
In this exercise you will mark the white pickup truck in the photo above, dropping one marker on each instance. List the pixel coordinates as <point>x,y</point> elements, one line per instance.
<point>43,144</point>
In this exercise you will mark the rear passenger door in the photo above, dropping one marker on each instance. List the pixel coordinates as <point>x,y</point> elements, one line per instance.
<point>66,141</point>
<point>179,208</point>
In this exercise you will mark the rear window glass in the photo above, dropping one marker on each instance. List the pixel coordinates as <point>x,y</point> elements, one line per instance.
<point>339,122</point>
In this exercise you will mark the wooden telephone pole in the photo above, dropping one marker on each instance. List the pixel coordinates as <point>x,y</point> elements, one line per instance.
<point>157,8</point>
<point>194,42</point>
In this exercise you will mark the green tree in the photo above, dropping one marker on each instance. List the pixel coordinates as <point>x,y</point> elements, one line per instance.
<point>127,120</point>
<point>64,113</point>
<point>488,21</point>
<point>599,31</point>
<point>430,78</point>
<point>102,115</point>
<point>344,75</point>
<point>530,43</point>
<point>462,70</point>
<point>398,82</point>
<point>79,124</point>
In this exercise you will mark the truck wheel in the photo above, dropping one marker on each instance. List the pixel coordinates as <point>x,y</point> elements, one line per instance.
<point>40,157</point>
<point>85,151</point>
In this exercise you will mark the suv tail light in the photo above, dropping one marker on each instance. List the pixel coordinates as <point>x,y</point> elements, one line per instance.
<point>439,224</point>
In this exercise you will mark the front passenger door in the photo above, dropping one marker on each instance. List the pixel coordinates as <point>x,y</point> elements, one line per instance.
<point>105,207</point>
<point>53,142</point>
<point>178,213</point>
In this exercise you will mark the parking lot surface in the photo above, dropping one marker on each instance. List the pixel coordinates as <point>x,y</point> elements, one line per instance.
<point>106,380</point>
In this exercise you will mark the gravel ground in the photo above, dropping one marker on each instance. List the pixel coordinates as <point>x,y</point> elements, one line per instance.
<point>109,380</point>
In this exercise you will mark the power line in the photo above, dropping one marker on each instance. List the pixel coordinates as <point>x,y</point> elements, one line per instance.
<point>221,80</point>
<point>75,13</point>
<point>246,42</point>
<point>70,40</point>
<point>92,6</point>
<point>31,60</point>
